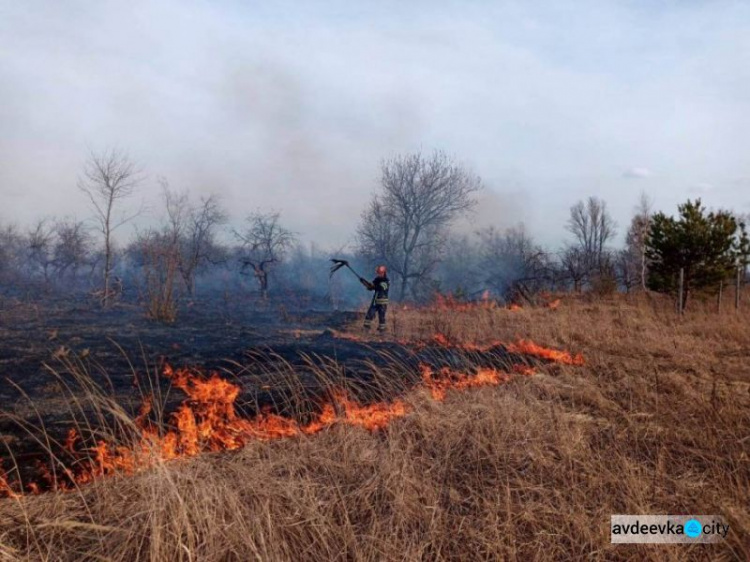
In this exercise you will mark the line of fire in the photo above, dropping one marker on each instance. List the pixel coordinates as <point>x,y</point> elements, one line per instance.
<point>208,421</point>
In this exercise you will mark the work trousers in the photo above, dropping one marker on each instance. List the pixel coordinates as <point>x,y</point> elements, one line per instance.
<point>380,310</point>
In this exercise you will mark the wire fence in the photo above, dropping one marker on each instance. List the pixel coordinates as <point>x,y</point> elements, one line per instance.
<point>738,283</point>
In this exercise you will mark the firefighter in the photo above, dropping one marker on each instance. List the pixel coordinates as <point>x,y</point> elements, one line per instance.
<point>379,303</point>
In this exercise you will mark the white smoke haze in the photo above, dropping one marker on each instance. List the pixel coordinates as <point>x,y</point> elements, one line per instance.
<point>637,173</point>
<point>702,188</point>
<point>292,105</point>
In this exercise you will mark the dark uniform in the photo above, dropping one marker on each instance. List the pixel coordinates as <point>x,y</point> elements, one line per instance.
<point>379,303</point>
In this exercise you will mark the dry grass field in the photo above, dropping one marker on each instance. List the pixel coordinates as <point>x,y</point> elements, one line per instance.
<point>657,421</point>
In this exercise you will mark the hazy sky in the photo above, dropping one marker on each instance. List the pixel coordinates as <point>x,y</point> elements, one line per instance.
<point>292,105</point>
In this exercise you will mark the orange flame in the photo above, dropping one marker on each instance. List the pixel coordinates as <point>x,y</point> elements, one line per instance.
<point>523,370</point>
<point>530,348</point>
<point>441,339</point>
<point>346,336</point>
<point>371,417</point>
<point>208,421</point>
<point>205,421</point>
<point>523,347</point>
<point>445,379</point>
<point>5,489</point>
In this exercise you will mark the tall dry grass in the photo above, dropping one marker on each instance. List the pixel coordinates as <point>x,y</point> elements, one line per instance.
<point>657,421</point>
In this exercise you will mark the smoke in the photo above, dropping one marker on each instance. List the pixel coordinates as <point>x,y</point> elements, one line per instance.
<point>287,107</point>
<point>494,209</point>
<point>637,173</point>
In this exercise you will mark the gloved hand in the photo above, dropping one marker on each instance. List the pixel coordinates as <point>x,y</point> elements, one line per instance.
<point>366,283</point>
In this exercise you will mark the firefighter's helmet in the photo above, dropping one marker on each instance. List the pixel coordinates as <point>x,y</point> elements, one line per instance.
<point>381,271</point>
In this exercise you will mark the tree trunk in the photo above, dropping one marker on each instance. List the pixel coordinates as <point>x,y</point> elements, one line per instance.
<point>107,265</point>
<point>404,279</point>
<point>188,278</point>
<point>107,251</point>
<point>686,290</point>
<point>263,281</point>
<point>407,259</point>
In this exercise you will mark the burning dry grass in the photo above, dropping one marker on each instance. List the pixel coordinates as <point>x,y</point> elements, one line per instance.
<point>656,421</point>
<point>208,420</point>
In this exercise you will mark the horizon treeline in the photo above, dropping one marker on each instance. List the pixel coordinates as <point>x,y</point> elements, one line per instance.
<point>192,253</point>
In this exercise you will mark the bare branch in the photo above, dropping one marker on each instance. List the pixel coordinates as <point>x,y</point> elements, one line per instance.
<point>264,242</point>
<point>405,226</point>
<point>108,177</point>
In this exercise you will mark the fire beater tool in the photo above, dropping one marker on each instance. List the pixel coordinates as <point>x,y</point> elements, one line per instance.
<point>338,264</point>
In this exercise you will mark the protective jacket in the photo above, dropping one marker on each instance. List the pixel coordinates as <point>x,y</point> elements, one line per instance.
<point>380,285</point>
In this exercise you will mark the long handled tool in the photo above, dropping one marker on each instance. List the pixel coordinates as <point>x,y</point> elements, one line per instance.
<point>338,264</point>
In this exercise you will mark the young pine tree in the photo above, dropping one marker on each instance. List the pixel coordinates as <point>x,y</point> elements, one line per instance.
<point>707,246</point>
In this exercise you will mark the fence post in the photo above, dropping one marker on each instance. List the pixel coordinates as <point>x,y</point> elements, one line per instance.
<point>679,300</point>
<point>737,291</point>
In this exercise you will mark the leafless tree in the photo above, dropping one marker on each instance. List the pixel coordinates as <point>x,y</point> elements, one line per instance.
<point>635,241</point>
<point>108,178</point>
<point>72,248</point>
<point>593,228</point>
<point>378,233</point>
<point>627,269</point>
<point>576,266</point>
<point>199,241</point>
<point>460,269</point>
<point>156,253</point>
<point>40,247</point>
<point>13,247</point>
<point>264,243</point>
<point>511,263</point>
<point>405,225</point>
<point>194,227</point>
